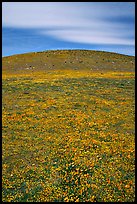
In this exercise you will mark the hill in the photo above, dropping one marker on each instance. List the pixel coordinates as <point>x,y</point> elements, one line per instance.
<point>68,127</point>
<point>69,59</point>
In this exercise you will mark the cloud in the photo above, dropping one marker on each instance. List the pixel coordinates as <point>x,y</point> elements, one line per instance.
<point>90,22</point>
<point>41,15</point>
<point>89,37</point>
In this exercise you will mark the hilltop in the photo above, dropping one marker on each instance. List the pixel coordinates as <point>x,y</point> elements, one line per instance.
<point>70,60</point>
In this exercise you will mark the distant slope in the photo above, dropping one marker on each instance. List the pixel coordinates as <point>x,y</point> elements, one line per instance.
<point>69,59</point>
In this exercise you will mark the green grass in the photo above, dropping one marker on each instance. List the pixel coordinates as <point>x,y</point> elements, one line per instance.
<point>68,135</point>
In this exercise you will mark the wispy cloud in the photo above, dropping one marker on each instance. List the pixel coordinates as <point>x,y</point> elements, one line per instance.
<point>90,22</point>
<point>90,36</point>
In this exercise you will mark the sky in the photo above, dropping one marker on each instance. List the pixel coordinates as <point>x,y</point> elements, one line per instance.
<point>39,26</point>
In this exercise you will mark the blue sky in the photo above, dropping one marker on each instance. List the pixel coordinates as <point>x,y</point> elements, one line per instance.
<point>39,26</point>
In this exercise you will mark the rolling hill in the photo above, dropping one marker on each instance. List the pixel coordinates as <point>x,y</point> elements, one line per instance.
<point>69,59</point>
<point>68,127</point>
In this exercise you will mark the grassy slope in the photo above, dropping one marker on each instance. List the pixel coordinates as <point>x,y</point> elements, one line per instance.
<point>68,127</point>
<point>70,59</point>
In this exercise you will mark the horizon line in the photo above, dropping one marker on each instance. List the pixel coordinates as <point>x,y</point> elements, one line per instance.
<point>76,49</point>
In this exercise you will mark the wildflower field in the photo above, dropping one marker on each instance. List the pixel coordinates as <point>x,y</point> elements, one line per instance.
<point>68,135</point>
